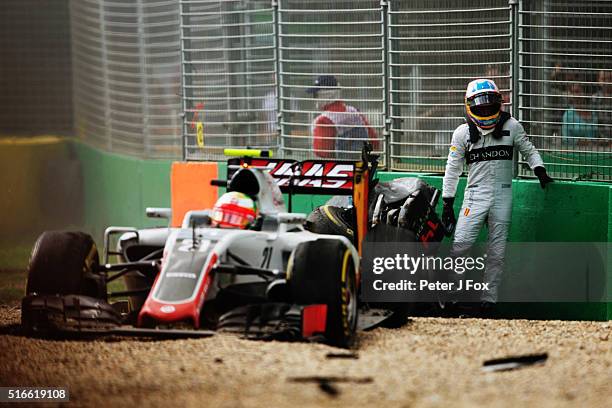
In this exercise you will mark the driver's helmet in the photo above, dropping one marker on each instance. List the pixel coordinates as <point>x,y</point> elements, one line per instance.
<point>483,103</point>
<point>234,210</point>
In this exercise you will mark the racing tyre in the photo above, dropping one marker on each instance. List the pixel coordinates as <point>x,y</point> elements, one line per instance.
<point>65,263</point>
<point>323,272</point>
<point>331,220</point>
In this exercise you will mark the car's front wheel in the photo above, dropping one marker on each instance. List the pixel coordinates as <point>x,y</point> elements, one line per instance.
<point>65,263</point>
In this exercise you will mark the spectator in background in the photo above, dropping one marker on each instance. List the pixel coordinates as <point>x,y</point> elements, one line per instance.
<point>559,82</point>
<point>340,128</point>
<point>579,121</point>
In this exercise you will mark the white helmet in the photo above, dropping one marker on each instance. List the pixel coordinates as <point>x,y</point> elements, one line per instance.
<point>483,103</point>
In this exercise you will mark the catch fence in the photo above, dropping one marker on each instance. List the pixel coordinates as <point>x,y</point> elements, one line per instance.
<point>247,65</point>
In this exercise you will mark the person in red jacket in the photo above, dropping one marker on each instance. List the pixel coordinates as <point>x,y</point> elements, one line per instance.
<point>340,130</point>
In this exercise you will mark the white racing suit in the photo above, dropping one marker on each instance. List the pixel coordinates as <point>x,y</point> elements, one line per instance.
<point>488,194</point>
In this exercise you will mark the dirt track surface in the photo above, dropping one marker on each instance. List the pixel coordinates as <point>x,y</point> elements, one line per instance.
<point>428,363</point>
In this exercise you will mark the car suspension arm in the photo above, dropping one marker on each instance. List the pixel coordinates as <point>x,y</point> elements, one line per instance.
<point>249,270</point>
<point>146,267</point>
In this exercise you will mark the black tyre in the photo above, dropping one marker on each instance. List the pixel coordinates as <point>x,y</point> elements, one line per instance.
<point>331,220</point>
<point>323,272</point>
<point>65,263</point>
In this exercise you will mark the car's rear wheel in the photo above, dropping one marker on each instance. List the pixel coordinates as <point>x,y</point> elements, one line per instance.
<point>65,263</point>
<point>323,272</point>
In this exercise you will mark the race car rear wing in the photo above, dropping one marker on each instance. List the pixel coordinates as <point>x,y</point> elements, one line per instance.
<point>302,177</point>
<point>333,177</point>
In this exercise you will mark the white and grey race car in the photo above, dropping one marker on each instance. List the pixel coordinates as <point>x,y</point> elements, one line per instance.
<point>288,276</point>
<point>273,279</point>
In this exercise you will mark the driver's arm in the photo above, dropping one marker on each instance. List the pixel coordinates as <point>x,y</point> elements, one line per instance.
<point>454,163</point>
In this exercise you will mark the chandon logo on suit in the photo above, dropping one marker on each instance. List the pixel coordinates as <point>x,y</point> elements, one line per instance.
<point>500,152</point>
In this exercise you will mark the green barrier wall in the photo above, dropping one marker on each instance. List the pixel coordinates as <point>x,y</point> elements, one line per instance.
<point>117,189</point>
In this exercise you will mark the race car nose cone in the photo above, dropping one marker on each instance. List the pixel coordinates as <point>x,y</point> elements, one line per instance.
<point>154,312</point>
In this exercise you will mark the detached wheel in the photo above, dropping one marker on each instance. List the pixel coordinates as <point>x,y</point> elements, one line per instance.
<point>65,263</point>
<point>331,220</point>
<point>323,272</point>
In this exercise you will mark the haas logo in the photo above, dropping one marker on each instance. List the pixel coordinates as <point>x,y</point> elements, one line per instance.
<point>311,173</point>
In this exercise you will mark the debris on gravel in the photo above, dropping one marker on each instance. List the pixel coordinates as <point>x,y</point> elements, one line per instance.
<point>513,362</point>
<point>353,356</point>
<point>431,362</point>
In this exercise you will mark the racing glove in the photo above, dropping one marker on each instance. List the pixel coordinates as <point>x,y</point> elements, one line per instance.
<point>448,215</point>
<point>544,178</point>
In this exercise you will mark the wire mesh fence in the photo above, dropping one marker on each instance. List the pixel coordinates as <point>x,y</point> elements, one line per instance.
<point>126,75</point>
<point>229,77</point>
<point>35,71</point>
<point>435,49</point>
<point>400,69</point>
<point>566,85</point>
<point>90,93</point>
<point>342,44</point>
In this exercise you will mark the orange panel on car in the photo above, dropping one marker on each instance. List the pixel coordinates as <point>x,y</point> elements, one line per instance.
<point>191,189</point>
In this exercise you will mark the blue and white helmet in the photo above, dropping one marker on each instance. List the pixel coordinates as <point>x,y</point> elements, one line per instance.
<point>483,103</point>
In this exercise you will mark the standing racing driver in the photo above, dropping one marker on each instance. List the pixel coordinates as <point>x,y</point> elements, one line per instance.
<point>486,143</point>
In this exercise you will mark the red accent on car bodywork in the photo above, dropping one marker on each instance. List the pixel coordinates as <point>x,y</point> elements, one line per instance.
<point>314,320</point>
<point>178,312</point>
<point>427,237</point>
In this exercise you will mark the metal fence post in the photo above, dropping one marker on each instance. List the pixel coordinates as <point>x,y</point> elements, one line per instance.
<point>277,77</point>
<point>144,86</point>
<point>515,69</point>
<point>108,124</point>
<point>183,90</point>
<point>386,104</point>
<point>515,57</point>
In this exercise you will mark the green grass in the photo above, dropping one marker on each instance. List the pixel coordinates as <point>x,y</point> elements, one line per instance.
<point>12,286</point>
<point>14,257</point>
<point>116,286</point>
<point>13,264</point>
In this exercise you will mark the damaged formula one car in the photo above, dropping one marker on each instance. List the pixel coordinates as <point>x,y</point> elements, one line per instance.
<point>286,276</point>
<point>273,279</point>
